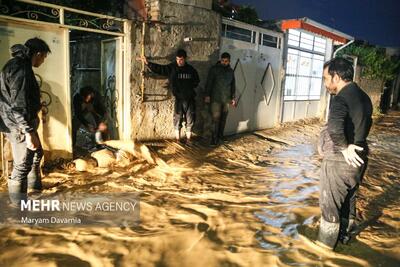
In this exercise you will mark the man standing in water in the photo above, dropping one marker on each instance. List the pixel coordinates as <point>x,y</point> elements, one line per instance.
<point>20,105</point>
<point>184,79</point>
<point>345,152</point>
<point>220,91</point>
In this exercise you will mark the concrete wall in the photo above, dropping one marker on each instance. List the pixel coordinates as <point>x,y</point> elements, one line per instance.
<point>153,118</point>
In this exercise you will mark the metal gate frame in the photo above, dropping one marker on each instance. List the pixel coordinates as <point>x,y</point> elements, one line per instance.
<point>83,21</point>
<point>39,13</point>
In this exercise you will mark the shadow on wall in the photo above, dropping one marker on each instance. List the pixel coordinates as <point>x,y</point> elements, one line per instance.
<point>56,114</point>
<point>5,45</point>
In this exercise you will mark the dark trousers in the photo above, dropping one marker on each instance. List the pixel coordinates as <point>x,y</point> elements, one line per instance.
<point>339,183</point>
<point>26,162</point>
<point>185,111</point>
<point>219,113</point>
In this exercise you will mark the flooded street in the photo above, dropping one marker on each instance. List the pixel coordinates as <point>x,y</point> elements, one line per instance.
<point>253,201</point>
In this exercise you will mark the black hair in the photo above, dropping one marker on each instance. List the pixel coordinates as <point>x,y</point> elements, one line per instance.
<point>342,67</point>
<point>85,91</point>
<point>181,53</point>
<point>226,55</point>
<point>37,45</point>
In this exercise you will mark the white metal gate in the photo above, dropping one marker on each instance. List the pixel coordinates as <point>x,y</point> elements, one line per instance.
<point>256,58</point>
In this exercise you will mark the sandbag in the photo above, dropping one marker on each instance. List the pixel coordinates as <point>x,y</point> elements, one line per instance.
<point>126,145</point>
<point>105,158</point>
<point>83,165</point>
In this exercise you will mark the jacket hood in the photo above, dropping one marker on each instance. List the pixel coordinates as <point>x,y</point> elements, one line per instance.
<point>19,50</point>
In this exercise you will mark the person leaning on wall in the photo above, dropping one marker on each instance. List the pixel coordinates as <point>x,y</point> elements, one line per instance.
<point>183,78</point>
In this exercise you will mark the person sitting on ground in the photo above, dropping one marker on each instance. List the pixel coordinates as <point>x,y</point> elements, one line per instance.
<point>89,113</point>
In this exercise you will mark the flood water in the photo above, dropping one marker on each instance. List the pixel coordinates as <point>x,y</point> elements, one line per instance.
<point>253,201</point>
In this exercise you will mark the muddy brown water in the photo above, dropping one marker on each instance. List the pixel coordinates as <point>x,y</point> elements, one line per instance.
<point>249,202</point>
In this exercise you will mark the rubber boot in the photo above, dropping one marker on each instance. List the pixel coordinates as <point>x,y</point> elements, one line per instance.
<point>328,234</point>
<point>221,127</point>
<point>214,136</point>
<point>35,180</point>
<point>177,135</point>
<point>188,136</point>
<point>17,191</point>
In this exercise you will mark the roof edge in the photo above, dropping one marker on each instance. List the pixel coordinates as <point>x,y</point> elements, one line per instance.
<point>316,27</point>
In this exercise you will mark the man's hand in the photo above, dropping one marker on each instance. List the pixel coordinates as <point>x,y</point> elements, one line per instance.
<point>351,156</point>
<point>207,99</point>
<point>143,59</point>
<point>91,128</point>
<point>32,141</point>
<point>233,103</point>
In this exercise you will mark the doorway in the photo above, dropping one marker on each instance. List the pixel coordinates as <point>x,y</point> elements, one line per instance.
<point>96,62</point>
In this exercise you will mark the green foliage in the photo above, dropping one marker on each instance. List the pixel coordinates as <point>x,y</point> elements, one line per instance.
<point>247,14</point>
<point>376,64</point>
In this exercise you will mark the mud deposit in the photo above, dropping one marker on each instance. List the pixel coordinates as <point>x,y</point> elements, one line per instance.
<point>253,201</point>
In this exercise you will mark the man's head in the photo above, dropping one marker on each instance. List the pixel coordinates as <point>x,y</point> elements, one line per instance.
<point>181,57</point>
<point>38,50</point>
<point>225,59</point>
<point>87,93</point>
<point>337,73</point>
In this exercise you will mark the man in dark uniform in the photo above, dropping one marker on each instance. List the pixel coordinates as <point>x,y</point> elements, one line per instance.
<point>345,151</point>
<point>19,108</point>
<point>220,91</point>
<point>184,79</point>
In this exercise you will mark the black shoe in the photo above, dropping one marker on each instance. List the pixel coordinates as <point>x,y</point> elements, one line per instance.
<point>347,230</point>
<point>214,142</point>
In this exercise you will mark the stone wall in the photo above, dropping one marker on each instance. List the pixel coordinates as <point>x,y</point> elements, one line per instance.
<point>174,22</point>
<point>373,88</point>
<point>199,3</point>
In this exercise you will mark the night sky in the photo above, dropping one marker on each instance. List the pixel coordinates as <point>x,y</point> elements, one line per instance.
<point>377,21</point>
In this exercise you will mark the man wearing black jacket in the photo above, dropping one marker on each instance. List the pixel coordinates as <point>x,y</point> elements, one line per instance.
<point>184,79</point>
<point>19,107</point>
<point>345,152</point>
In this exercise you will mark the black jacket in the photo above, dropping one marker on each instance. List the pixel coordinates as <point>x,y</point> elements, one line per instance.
<point>221,85</point>
<point>80,109</point>
<point>350,118</point>
<point>19,93</point>
<point>183,80</point>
